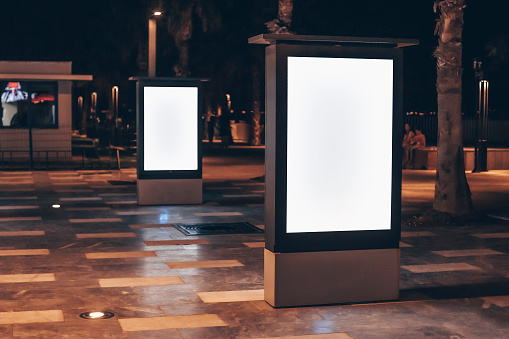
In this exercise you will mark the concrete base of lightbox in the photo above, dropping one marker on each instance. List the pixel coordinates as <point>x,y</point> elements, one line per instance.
<point>170,191</point>
<point>331,277</point>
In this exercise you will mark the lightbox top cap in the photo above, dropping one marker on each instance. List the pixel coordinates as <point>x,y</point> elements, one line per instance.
<point>269,39</point>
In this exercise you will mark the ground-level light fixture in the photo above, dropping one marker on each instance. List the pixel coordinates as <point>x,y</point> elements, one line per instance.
<point>157,13</point>
<point>55,205</point>
<point>97,315</point>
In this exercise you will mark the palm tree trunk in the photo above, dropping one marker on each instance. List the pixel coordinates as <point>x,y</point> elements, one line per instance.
<point>182,38</point>
<point>452,193</point>
<point>256,114</point>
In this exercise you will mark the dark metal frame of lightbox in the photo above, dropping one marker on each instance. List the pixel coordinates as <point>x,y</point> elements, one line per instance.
<point>276,237</point>
<point>166,82</point>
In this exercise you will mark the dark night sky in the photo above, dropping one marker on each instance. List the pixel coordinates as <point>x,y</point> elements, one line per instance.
<point>104,37</point>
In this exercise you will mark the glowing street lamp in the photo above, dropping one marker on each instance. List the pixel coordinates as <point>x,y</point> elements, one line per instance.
<point>152,27</point>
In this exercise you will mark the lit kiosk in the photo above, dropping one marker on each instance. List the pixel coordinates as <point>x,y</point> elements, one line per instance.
<point>169,145</point>
<point>332,168</point>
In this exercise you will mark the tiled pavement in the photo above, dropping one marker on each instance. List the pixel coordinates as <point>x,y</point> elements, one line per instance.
<point>100,251</point>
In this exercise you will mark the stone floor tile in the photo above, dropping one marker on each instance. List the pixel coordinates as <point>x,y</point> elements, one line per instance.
<point>176,242</point>
<point>467,253</point>
<point>31,317</point>
<point>140,281</point>
<point>95,220</point>
<point>203,264</point>
<point>112,255</point>
<point>41,251</point>
<point>19,278</point>
<point>439,267</point>
<point>106,235</point>
<point>231,296</point>
<point>20,233</point>
<point>169,322</point>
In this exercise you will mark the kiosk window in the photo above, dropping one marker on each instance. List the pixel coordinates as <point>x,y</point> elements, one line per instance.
<point>29,104</point>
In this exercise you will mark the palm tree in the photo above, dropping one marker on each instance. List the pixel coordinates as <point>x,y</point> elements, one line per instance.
<point>280,25</point>
<point>284,18</point>
<point>180,18</point>
<point>452,193</point>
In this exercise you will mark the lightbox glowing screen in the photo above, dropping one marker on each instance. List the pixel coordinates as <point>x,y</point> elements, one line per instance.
<point>339,153</point>
<point>170,128</point>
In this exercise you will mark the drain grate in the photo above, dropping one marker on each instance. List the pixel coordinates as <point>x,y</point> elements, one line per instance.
<point>217,228</point>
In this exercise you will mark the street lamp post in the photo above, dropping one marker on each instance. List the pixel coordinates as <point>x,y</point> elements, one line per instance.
<point>152,27</point>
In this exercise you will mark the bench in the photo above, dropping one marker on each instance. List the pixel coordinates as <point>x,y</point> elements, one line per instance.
<point>498,158</point>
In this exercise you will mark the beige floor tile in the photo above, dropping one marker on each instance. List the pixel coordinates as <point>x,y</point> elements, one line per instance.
<point>164,323</point>
<point>315,336</point>
<point>21,219</point>
<point>19,182</point>
<point>491,235</point>
<point>87,208</point>
<point>440,268</point>
<point>81,199</point>
<point>467,253</point>
<point>217,214</point>
<point>402,244</point>
<point>126,202</point>
<point>106,235</point>
<point>140,281</point>
<point>139,212</point>
<point>417,234</point>
<point>55,177</point>
<point>20,233</point>
<point>113,255</point>
<point>26,207</point>
<point>256,244</point>
<point>18,198</point>
<point>42,251</point>
<point>74,183</point>
<point>17,189</point>
<point>27,317</point>
<point>74,191</point>
<point>203,264</point>
<point>20,278</point>
<point>177,242</point>
<point>231,296</point>
<point>150,225</point>
<point>96,220</point>
<point>18,177</point>
<point>500,301</point>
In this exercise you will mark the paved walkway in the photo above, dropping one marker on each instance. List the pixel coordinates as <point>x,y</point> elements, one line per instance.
<point>99,251</point>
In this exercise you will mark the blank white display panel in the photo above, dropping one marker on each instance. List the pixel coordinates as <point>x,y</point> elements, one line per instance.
<point>339,153</point>
<point>170,128</point>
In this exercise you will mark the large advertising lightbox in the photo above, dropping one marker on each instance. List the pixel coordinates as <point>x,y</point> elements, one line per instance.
<point>333,148</point>
<point>339,148</point>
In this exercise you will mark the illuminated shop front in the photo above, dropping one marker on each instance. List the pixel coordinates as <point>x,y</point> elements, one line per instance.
<point>36,108</point>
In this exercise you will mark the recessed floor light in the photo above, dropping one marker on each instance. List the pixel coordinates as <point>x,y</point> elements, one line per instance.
<point>97,315</point>
<point>56,206</point>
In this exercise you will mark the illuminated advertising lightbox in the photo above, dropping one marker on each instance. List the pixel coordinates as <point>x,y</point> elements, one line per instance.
<point>333,148</point>
<point>339,156</point>
<point>169,127</point>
